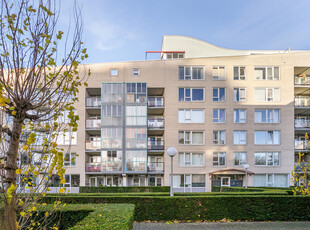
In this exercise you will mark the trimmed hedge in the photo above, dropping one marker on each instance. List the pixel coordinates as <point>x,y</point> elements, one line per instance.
<point>246,207</point>
<point>107,189</point>
<point>250,189</point>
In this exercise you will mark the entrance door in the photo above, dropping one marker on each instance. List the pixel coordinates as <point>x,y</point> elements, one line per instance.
<point>93,181</point>
<point>225,181</point>
<point>158,181</point>
<point>100,181</point>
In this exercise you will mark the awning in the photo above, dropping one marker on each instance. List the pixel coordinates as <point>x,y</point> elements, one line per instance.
<point>231,171</point>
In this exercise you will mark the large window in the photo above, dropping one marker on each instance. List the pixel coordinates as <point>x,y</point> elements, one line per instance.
<point>136,138</point>
<point>239,73</point>
<point>219,159</point>
<point>219,116</point>
<point>111,137</point>
<point>219,137</point>
<point>64,116</point>
<point>136,115</point>
<point>267,94</point>
<point>70,159</point>
<point>189,180</point>
<point>191,94</point>
<point>267,137</point>
<point>218,73</point>
<point>111,160</point>
<point>267,116</point>
<point>191,115</point>
<point>191,159</point>
<point>239,158</point>
<point>267,73</point>
<point>191,137</point>
<point>66,138</point>
<point>191,73</point>
<point>239,94</point>
<point>271,180</point>
<point>239,137</point>
<point>219,94</point>
<point>239,115</point>
<point>112,115</point>
<point>267,158</point>
<point>136,160</point>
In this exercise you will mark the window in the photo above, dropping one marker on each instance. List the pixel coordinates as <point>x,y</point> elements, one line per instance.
<point>267,158</point>
<point>271,180</point>
<point>135,72</point>
<point>63,116</point>
<point>191,159</point>
<point>219,159</point>
<point>239,158</point>
<point>191,73</point>
<point>239,115</point>
<point>113,72</point>
<point>267,73</point>
<point>66,138</point>
<point>71,181</point>
<point>267,94</point>
<point>189,181</point>
<point>239,137</point>
<point>219,137</point>
<point>136,160</point>
<point>267,116</point>
<point>174,55</point>
<point>136,115</point>
<point>239,94</point>
<point>267,137</point>
<point>218,94</point>
<point>191,94</point>
<point>218,73</point>
<point>191,137</point>
<point>219,116</point>
<point>70,159</point>
<point>239,73</point>
<point>191,115</point>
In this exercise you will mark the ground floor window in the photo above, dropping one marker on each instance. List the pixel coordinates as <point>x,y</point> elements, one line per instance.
<point>155,181</point>
<point>270,180</point>
<point>189,180</point>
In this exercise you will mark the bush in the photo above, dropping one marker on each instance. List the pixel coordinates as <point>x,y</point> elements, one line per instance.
<point>246,207</point>
<point>107,189</point>
<point>251,189</point>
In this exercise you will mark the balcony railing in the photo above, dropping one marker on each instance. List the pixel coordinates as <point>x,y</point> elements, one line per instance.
<point>302,80</point>
<point>93,145</point>
<point>93,101</point>
<point>302,101</point>
<point>93,167</point>
<point>155,123</point>
<point>301,166</point>
<point>155,145</point>
<point>155,167</point>
<point>155,102</point>
<point>302,123</point>
<point>93,124</point>
<point>302,144</point>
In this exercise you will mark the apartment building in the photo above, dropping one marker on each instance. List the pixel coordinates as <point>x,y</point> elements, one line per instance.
<point>220,108</point>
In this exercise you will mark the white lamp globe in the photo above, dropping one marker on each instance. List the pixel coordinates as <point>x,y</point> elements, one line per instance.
<point>246,166</point>
<point>172,152</point>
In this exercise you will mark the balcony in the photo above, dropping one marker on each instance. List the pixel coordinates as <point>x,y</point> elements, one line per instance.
<point>302,123</point>
<point>93,167</point>
<point>93,124</point>
<point>156,126</point>
<point>155,167</point>
<point>93,145</point>
<point>155,146</point>
<point>302,81</point>
<point>302,101</point>
<point>302,145</point>
<point>155,105</point>
<point>93,102</point>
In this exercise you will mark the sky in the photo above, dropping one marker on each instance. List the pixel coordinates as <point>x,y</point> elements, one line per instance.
<point>122,30</point>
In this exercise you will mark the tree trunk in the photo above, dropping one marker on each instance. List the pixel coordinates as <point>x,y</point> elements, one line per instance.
<point>10,216</point>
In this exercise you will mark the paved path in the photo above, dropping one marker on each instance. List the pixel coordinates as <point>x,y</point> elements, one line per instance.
<point>226,226</point>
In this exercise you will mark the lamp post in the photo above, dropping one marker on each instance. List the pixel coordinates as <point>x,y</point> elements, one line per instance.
<point>171,153</point>
<point>246,166</point>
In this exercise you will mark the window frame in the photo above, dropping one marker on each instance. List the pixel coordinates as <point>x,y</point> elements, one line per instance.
<point>191,72</point>
<point>72,163</point>
<point>238,93</point>
<point>218,159</point>
<point>191,159</point>
<point>266,160</point>
<point>267,118</point>
<point>113,72</point>
<point>245,120</point>
<point>218,94</point>
<point>234,159</point>
<point>239,139</point>
<point>266,94</point>
<point>266,73</point>
<point>218,118</point>
<point>219,135</point>
<point>133,72</point>
<point>191,95</point>
<point>217,78</point>
<point>266,137</point>
<point>239,78</point>
<point>190,137</point>
<point>191,116</point>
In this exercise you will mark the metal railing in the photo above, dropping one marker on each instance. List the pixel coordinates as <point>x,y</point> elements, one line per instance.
<point>93,101</point>
<point>302,144</point>
<point>155,145</point>
<point>93,145</point>
<point>302,80</point>
<point>93,124</point>
<point>155,102</point>
<point>302,123</point>
<point>93,167</point>
<point>302,101</point>
<point>155,123</point>
<point>155,166</point>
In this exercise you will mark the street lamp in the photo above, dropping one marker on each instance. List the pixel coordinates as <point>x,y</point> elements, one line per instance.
<point>171,153</point>
<point>246,166</point>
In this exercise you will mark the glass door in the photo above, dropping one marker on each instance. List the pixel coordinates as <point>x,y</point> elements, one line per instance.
<point>158,181</point>
<point>225,181</point>
<point>93,181</point>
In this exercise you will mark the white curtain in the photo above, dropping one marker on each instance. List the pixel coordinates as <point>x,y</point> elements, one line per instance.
<point>197,116</point>
<point>260,94</point>
<point>197,138</point>
<point>259,180</point>
<point>280,180</point>
<point>197,159</point>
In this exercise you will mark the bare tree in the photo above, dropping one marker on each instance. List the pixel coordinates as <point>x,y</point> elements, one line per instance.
<point>38,83</point>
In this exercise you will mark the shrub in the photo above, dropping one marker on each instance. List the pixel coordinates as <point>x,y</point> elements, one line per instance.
<point>107,189</point>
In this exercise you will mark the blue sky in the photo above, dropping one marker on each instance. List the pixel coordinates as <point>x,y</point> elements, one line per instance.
<point>122,30</point>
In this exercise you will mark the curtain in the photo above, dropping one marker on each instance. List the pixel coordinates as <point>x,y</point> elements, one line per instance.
<point>259,180</point>
<point>197,138</point>
<point>280,180</point>
<point>260,94</point>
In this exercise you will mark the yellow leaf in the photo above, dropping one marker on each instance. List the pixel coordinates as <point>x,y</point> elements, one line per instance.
<point>22,213</point>
<point>19,171</point>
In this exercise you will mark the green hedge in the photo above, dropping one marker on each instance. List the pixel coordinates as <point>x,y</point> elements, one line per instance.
<point>107,189</point>
<point>251,189</point>
<point>246,207</point>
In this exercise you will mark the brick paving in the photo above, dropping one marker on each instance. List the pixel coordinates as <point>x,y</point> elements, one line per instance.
<point>222,226</point>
